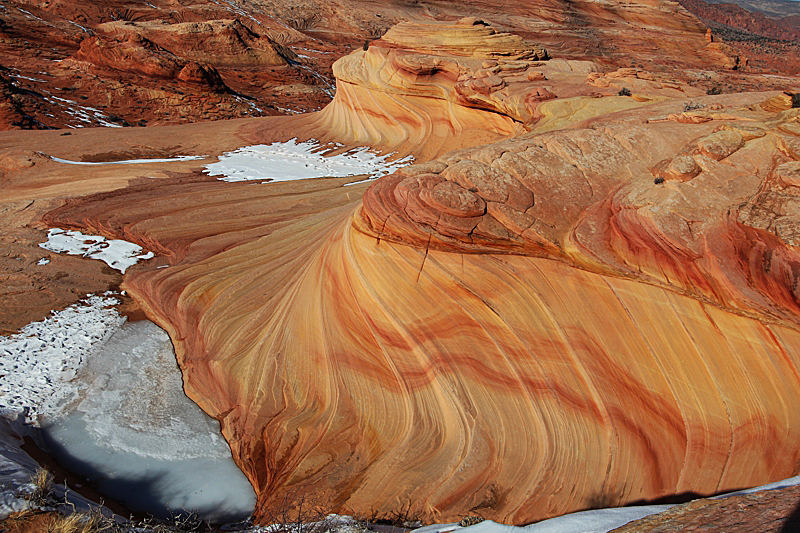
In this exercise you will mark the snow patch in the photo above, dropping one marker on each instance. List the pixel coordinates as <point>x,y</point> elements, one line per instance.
<point>292,160</point>
<point>38,364</point>
<point>116,253</point>
<point>85,114</point>
<point>129,161</point>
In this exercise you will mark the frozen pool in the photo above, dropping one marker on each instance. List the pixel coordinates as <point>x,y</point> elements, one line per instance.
<point>140,440</point>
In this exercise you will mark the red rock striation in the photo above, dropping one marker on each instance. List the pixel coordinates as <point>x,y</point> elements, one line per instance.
<point>599,306</point>
<point>511,330</point>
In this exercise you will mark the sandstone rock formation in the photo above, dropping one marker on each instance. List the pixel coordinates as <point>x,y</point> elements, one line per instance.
<point>426,88</point>
<point>599,308</point>
<point>518,330</point>
<point>248,43</point>
<point>221,43</point>
<point>137,54</point>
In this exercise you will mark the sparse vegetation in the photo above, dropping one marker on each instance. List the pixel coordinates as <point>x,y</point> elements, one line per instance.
<point>716,89</point>
<point>42,492</point>
<point>624,92</point>
<point>92,522</point>
<point>470,520</point>
<point>692,106</point>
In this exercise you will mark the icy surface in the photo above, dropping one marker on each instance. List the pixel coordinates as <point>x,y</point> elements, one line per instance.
<point>110,399</point>
<point>130,161</point>
<point>293,161</point>
<point>118,254</point>
<point>594,521</point>
<point>37,364</point>
<point>142,440</point>
<point>16,469</point>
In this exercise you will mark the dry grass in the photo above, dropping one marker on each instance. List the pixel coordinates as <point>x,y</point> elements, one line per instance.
<point>42,482</point>
<point>78,523</point>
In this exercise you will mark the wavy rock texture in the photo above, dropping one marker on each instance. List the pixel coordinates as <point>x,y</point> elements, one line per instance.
<point>519,330</point>
<point>428,88</point>
<point>598,315</point>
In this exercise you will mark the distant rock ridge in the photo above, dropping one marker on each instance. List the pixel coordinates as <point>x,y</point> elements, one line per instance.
<point>221,43</point>
<point>787,28</point>
<point>137,54</point>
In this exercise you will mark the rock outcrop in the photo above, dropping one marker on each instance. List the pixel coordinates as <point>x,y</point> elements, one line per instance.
<point>427,88</point>
<point>599,308</point>
<point>220,43</point>
<point>137,54</point>
<point>601,314</point>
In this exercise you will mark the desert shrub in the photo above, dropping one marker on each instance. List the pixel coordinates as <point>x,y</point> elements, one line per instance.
<point>42,493</point>
<point>624,92</point>
<point>716,89</point>
<point>79,523</point>
<point>470,521</point>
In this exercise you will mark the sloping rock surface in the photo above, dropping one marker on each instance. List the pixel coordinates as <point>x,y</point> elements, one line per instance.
<point>628,341</point>
<point>599,308</point>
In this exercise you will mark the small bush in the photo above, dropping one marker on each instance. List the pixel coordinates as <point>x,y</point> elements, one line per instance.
<point>716,89</point>
<point>42,492</point>
<point>624,92</point>
<point>470,521</point>
<point>78,523</point>
<point>691,106</point>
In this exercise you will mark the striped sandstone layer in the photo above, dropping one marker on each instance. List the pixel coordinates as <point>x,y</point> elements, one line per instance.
<point>597,315</point>
<point>517,331</point>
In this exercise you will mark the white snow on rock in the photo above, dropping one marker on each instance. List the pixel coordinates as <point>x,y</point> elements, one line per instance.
<point>594,521</point>
<point>116,253</point>
<point>38,363</point>
<point>130,161</point>
<point>286,161</point>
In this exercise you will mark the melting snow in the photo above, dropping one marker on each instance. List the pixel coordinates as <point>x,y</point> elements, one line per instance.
<point>294,161</point>
<point>38,363</point>
<point>85,114</point>
<point>130,161</point>
<point>117,254</point>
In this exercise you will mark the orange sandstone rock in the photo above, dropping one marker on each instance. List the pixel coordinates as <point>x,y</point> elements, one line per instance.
<point>508,330</point>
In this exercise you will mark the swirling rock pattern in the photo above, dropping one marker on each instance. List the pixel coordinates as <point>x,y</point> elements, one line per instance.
<point>598,315</point>
<point>518,330</point>
<point>428,88</point>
